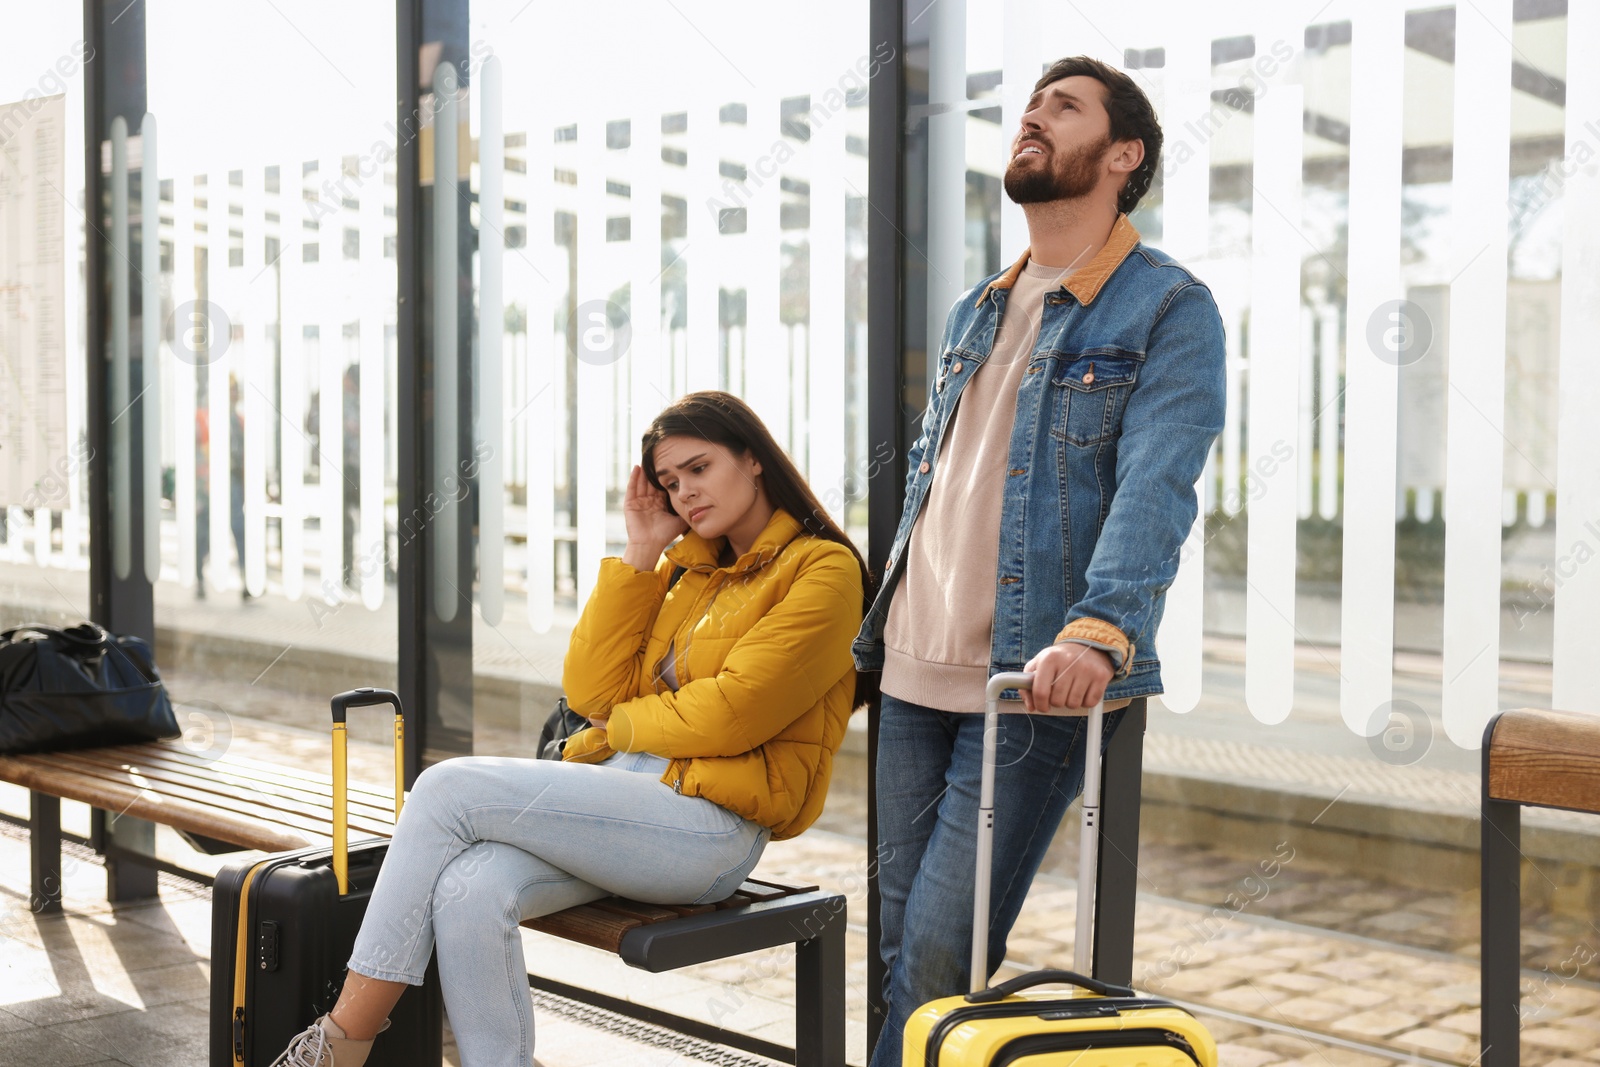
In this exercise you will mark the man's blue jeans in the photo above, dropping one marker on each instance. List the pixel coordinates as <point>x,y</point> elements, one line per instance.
<point>928,776</point>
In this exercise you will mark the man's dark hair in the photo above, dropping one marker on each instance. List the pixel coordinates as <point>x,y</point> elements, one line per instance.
<point>1132,118</point>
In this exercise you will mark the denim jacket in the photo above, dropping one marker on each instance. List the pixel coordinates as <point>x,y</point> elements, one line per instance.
<point>1121,399</point>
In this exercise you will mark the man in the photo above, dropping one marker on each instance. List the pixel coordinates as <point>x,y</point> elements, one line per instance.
<point>1046,502</point>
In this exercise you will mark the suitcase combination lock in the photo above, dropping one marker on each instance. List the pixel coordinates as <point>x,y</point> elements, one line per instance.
<point>267,946</point>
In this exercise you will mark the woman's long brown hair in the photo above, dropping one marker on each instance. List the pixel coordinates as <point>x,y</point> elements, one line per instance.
<point>724,419</point>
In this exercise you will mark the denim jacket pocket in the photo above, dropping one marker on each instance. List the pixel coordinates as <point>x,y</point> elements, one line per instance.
<point>1091,390</point>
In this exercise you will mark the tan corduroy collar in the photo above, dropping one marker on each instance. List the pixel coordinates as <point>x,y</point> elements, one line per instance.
<point>1085,282</point>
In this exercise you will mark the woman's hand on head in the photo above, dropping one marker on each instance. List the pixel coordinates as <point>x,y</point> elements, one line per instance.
<point>650,525</point>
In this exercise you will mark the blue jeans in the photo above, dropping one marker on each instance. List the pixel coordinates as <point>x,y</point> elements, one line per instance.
<point>484,843</point>
<point>928,776</point>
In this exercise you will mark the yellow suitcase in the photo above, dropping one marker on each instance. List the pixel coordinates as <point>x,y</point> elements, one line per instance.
<point>1015,1025</point>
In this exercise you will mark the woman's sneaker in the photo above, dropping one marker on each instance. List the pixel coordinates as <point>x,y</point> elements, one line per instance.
<point>323,1044</point>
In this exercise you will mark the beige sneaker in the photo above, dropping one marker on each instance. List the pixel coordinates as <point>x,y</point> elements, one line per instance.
<point>323,1044</point>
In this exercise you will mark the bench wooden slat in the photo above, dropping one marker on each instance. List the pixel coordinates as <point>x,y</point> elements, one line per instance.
<point>603,923</point>
<point>218,780</point>
<point>760,889</point>
<point>127,799</point>
<point>1546,758</point>
<point>173,755</point>
<point>587,925</point>
<point>633,909</point>
<point>240,821</point>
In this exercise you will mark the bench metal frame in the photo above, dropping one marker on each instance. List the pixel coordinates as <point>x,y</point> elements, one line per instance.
<point>814,923</point>
<point>1500,916</point>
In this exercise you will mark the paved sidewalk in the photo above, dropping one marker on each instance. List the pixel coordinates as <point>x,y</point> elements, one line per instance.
<point>1341,955</point>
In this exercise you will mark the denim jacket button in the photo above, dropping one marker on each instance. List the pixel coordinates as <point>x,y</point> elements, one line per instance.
<point>956,367</point>
<point>924,468</point>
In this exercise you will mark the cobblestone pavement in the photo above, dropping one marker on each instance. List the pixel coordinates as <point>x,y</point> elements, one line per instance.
<point>1273,992</point>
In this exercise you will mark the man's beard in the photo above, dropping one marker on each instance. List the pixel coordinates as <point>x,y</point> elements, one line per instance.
<point>1074,175</point>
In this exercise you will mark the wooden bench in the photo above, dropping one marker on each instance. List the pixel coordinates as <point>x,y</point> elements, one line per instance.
<point>1545,759</point>
<point>234,803</point>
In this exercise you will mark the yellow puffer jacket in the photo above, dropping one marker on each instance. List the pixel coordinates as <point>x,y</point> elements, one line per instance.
<point>766,682</point>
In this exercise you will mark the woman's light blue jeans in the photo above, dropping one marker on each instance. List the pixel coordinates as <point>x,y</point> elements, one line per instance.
<point>484,843</point>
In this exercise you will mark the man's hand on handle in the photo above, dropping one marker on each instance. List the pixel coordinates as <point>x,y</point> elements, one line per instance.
<point>1067,675</point>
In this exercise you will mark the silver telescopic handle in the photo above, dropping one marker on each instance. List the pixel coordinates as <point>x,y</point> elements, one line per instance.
<point>1089,846</point>
<point>1089,843</point>
<point>980,894</point>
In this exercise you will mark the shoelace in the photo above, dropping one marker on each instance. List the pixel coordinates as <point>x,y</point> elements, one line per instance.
<point>308,1049</point>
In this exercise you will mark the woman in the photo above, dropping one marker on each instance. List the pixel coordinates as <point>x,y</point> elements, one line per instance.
<point>716,737</point>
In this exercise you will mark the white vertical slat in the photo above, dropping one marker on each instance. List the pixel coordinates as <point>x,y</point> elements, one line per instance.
<point>1366,629</point>
<point>150,352</point>
<point>74,525</point>
<point>680,361</point>
<point>1328,414</point>
<point>377,288</point>
<point>703,247</point>
<point>254,382</point>
<point>1022,61</point>
<point>734,341</point>
<point>15,548</point>
<point>1233,427</point>
<point>766,371</point>
<point>331,278</point>
<point>1537,501</point>
<point>1575,684</point>
<point>185,345</point>
<point>1474,456</point>
<point>800,396</point>
<point>491,344</point>
<point>1274,367</point>
<point>41,537</point>
<point>1306,420</point>
<point>447,408</point>
<point>539,406</point>
<point>593,414</point>
<point>219,573</point>
<point>1186,178</point>
<point>1508,507</point>
<point>1426,495</point>
<point>825,332</point>
<point>293,295</point>
<point>648,362</point>
<point>947,167</point>
<point>120,394</point>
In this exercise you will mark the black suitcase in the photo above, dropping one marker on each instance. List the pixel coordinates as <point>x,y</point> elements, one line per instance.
<point>282,931</point>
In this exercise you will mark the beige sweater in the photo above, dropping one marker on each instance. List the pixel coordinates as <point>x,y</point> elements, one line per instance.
<point>940,628</point>
<point>941,620</point>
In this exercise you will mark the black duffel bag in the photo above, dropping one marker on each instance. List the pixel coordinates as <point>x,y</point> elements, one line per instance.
<point>79,687</point>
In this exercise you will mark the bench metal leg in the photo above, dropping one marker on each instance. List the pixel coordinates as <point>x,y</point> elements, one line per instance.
<point>1501,933</point>
<point>129,846</point>
<point>819,997</point>
<point>44,847</point>
<point>1117,884</point>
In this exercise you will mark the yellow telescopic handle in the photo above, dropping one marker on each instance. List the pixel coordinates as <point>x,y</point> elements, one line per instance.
<point>359,698</point>
<point>341,807</point>
<point>399,762</point>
